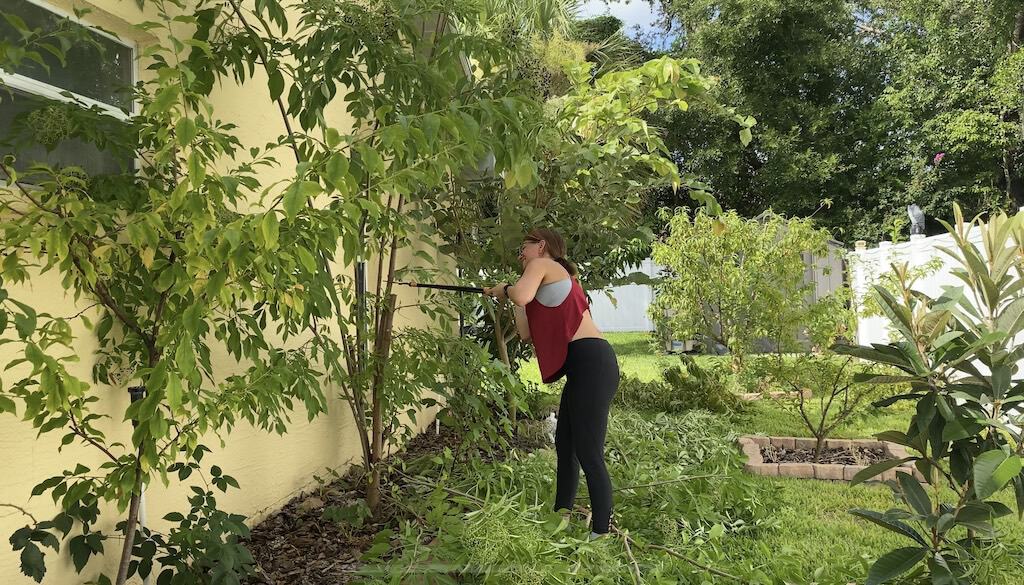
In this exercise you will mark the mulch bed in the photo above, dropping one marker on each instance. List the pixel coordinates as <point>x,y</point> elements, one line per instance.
<point>854,456</point>
<point>297,546</point>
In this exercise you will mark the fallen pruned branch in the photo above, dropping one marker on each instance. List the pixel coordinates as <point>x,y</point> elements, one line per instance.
<point>673,553</point>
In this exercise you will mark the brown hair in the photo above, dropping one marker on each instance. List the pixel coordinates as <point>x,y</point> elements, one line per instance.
<point>555,247</point>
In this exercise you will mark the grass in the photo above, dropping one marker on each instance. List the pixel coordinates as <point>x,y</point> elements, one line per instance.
<point>815,538</point>
<point>636,353</point>
<point>816,534</point>
<point>772,418</point>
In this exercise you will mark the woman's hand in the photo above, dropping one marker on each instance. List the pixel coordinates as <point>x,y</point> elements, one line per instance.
<point>497,291</point>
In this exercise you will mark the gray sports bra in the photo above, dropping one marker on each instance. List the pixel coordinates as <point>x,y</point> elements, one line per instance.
<point>553,293</point>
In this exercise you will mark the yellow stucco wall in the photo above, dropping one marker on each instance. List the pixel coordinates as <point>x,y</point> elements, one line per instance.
<point>270,468</point>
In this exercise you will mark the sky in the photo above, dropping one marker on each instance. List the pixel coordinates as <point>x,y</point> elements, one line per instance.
<point>630,12</point>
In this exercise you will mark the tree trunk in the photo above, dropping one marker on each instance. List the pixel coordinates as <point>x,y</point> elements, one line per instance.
<point>382,350</point>
<point>736,362</point>
<point>130,526</point>
<point>499,338</point>
<point>819,446</point>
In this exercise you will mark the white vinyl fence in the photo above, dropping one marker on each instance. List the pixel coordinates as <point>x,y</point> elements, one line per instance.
<point>629,312</point>
<point>919,253</point>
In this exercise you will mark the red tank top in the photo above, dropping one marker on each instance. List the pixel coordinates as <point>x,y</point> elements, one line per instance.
<point>552,329</point>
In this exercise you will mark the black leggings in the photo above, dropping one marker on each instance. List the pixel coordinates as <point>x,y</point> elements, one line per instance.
<point>592,377</point>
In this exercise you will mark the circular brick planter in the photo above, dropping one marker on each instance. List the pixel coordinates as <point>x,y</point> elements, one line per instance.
<point>751,447</point>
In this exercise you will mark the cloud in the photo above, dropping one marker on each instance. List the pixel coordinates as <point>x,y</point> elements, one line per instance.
<point>630,12</point>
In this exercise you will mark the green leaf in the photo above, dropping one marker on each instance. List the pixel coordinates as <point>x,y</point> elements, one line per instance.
<point>336,170</point>
<point>914,494</point>
<point>270,228</point>
<point>297,195</point>
<point>166,97</point>
<point>745,136</point>
<point>977,516</point>
<point>196,169</point>
<point>184,358</point>
<point>185,131</point>
<point>895,437</point>
<point>306,259</point>
<point>16,22</point>
<point>993,470</point>
<point>7,405</point>
<point>873,470</point>
<point>25,324</point>
<point>80,551</point>
<point>874,355</point>
<point>46,485</point>
<point>891,524</point>
<point>332,137</point>
<point>894,564</point>
<point>174,391</point>
<point>275,84</point>
<point>32,564</point>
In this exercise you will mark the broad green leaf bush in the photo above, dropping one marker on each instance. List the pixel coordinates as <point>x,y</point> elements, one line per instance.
<point>958,352</point>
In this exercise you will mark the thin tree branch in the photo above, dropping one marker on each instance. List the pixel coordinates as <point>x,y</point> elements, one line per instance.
<point>78,431</point>
<point>28,195</point>
<point>635,573</point>
<point>666,482</point>
<point>673,553</point>
<point>20,509</point>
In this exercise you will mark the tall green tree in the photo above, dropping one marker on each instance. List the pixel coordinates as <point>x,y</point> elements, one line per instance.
<point>953,97</point>
<point>870,105</point>
<point>812,79</point>
<point>735,281</point>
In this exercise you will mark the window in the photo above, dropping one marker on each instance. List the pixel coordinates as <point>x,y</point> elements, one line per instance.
<point>97,71</point>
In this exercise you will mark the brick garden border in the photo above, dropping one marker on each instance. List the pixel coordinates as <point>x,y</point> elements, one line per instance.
<point>751,446</point>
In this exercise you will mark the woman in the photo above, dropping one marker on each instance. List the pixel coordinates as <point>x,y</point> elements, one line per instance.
<point>553,313</point>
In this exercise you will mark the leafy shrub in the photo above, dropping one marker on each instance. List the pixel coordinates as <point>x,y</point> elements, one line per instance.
<point>684,387</point>
<point>540,403</point>
<point>959,354</point>
<point>757,374</point>
<point>693,464</point>
<point>476,392</point>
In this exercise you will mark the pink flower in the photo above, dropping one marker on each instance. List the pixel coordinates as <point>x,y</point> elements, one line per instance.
<point>938,158</point>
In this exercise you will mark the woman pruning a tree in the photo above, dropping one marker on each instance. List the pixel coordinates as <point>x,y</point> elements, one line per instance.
<point>553,313</point>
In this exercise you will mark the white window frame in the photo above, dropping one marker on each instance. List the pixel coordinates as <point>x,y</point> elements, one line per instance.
<point>42,89</point>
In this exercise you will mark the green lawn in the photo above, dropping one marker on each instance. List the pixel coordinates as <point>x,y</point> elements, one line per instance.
<point>815,539</point>
<point>772,418</point>
<point>817,534</point>
<point>636,355</point>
